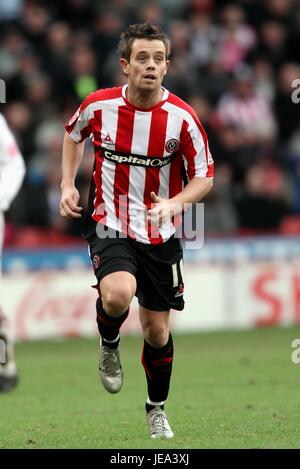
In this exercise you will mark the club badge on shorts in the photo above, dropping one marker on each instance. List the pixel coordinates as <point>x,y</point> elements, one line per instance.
<point>96,261</point>
<point>180,291</point>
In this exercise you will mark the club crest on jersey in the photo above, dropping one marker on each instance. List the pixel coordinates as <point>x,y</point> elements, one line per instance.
<point>172,145</point>
<point>96,261</point>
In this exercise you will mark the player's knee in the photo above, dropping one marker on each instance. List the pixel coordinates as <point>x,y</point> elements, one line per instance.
<point>156,335</point>
<point>116,300</point>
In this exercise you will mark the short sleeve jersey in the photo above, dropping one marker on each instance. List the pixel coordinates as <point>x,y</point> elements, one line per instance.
<point>138,151</point>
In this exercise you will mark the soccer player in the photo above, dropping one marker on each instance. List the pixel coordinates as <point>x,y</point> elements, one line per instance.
<point>143,135</point>
<point>12,171</point>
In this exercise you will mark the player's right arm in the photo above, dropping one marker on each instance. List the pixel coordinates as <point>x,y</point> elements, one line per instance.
<point>77,130</point>
<point>71,159</point>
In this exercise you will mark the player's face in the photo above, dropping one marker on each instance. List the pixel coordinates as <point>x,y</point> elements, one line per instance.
<point>147,66</point>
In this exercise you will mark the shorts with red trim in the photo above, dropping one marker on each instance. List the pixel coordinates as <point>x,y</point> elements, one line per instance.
<point>157,268</point>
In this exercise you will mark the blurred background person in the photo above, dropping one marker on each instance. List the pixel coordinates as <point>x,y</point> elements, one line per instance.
<point>12,170</point>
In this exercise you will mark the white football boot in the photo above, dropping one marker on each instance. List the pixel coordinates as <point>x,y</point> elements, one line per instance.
<point>8,369</point>
<point>158,424</point>
<point>110,368</point>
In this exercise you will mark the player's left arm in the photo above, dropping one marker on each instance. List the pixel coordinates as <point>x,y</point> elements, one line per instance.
<point>193,192</point>
<point>199,168</point>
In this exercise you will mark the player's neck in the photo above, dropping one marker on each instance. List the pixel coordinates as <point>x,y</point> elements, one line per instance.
<point>143,99</point>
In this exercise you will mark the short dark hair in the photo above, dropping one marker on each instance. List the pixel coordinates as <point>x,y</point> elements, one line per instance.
<point>141,31</point>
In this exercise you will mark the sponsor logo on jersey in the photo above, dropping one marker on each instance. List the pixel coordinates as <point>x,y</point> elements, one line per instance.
<point>136,160</point>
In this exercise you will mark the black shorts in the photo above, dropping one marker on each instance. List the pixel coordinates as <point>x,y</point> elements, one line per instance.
<point>157,268</point>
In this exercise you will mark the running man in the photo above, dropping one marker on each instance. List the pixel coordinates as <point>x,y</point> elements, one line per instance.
<point>143,137</point>
<point>12,171</point>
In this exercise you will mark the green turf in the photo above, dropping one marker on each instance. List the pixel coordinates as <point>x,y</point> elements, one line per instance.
<point>229,390</point>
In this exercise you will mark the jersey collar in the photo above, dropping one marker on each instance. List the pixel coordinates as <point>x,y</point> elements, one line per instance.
<point>164,98</point>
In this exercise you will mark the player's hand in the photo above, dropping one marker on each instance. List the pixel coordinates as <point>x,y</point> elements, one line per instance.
<point>69,207</point>
<point>162,211</point>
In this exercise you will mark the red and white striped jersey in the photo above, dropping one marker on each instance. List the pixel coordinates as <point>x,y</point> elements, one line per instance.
<point>12,167</point>
<point>136,152</point>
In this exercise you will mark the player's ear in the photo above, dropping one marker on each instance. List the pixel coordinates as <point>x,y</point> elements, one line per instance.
<point>124,66</point>
<point>167,66</point>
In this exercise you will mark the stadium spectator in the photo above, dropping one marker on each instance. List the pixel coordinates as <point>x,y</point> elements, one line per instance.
<point>250,113</point>
<point>237,38</point>
<point>142,136</point>
<point>220,213</point>
<point>264,203</point>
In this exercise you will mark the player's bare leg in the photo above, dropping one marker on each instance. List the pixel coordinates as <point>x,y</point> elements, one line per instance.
<point>117,290</point>
<point>157,358</point>
<point>8,370</point>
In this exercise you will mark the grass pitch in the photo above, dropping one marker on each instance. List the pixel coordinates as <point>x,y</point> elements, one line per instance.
<point>229,390</point>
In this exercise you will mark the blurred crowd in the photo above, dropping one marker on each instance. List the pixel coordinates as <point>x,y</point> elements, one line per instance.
<point>235,62</point>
